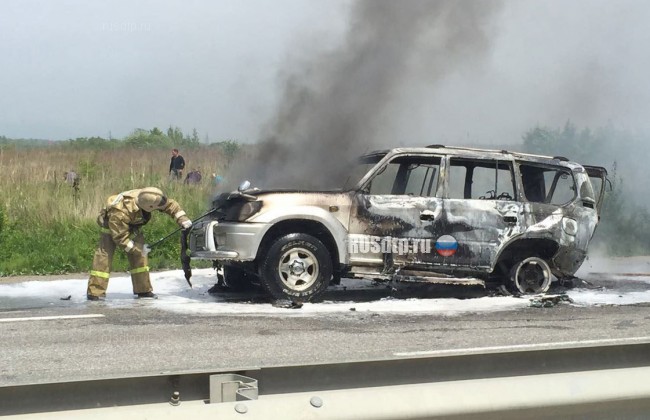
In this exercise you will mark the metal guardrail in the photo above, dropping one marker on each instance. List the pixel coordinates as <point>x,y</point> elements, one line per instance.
<point>532,381</point>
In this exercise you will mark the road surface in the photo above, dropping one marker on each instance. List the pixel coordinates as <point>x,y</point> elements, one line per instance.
<point>47,339</point>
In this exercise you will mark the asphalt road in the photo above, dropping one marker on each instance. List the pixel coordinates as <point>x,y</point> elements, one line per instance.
<point>143,339</point>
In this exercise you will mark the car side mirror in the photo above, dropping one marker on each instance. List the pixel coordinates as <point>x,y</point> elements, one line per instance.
<point>245,185</point>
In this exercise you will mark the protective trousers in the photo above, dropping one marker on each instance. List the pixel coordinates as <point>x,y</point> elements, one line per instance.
<point>103,261</point>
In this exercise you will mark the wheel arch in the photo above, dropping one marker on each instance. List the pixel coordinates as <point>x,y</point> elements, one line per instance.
<point>308,226</point>
<point>521,248</point>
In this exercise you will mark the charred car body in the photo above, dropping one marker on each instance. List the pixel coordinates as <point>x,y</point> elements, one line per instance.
<point>432,214</point>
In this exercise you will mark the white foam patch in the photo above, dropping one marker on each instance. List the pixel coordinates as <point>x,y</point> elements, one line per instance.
<point>120,289</point>
<point>607,297</point>
<point>447,307</point>
<point>175,295</point>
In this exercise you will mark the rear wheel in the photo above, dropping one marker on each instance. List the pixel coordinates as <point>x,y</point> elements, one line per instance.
<point>297,266</point>
<point>530,276</point>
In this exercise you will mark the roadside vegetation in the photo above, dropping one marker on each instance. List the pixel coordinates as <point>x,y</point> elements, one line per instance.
<point>48,227</point>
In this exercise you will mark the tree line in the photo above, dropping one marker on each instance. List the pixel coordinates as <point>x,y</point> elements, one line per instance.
<point>139,138</point>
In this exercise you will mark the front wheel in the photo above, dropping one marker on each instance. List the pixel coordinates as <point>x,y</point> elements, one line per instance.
<point>297,266</point>
<point>530,276</point>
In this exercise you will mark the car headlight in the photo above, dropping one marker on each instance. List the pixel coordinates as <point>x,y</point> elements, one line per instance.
<point>248,209</point>
<point>569,226</point>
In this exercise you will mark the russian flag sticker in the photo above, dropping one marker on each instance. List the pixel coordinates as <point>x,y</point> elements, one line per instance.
<point>446,245</point>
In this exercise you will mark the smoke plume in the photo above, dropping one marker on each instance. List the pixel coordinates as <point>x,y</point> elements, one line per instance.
<point>333,106</point>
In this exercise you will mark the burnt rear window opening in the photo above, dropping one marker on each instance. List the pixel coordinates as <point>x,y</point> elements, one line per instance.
<point>549,185</point>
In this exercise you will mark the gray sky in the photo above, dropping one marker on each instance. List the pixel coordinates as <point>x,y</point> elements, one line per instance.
<point>80,68</point>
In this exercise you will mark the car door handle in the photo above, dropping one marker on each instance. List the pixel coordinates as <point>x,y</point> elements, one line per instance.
<point>510,220</point>
<point>427,215</point>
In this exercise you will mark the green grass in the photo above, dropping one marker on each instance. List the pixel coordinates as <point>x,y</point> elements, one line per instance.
<point>61,247</point>
<point>48,228</point>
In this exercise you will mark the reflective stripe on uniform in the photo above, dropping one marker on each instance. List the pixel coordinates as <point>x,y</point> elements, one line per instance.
<point>179,214</point>
<point>144,269</point>
<point>100,274</point>
<point>129,246</point>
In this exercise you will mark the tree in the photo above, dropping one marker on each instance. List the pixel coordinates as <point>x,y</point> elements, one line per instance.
<point>540,140</point>
<point>194,140</point>
<point>146,138</point>
<point>230,148</point>
<point>175,134</point>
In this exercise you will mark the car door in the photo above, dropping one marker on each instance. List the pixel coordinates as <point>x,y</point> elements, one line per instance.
<point>480,212</point>
<point>393,217</point>
<point>598,178</point>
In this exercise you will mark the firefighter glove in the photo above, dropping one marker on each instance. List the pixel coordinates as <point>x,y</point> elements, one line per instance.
<point>186,224</point>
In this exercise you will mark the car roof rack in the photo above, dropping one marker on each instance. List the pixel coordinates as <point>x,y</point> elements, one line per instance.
<point>435,146</point>
<point>561,158</point>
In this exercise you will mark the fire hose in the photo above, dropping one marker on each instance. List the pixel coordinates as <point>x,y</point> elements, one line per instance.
<point>185,258</point>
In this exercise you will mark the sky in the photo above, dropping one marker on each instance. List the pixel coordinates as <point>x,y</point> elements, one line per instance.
<point>74,68</point>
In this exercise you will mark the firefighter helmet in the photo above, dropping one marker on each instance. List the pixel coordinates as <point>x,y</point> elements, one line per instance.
<point>150,199</point>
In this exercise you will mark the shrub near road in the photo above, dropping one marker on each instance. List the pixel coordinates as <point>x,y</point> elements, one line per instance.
<point>48,227</point>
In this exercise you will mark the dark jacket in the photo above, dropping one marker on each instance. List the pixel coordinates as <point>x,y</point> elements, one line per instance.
<point>177,163</point>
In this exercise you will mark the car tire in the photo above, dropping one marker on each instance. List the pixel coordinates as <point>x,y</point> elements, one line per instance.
<point>530,276</point>
<point>297,267</point>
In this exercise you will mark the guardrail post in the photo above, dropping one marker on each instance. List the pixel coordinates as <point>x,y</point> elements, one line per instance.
<point>229,387</point>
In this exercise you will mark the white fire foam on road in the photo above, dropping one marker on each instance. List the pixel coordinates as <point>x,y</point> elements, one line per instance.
<point>607,297</point>
<point>175,295</point>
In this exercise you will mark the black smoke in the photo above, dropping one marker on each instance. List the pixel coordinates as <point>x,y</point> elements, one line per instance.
<point>333,105</point>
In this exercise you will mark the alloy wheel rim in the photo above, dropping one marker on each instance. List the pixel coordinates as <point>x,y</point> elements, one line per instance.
<point>298,269</point>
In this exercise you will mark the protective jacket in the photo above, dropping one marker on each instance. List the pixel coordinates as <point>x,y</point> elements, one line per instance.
<point>122,216</point>
<point>120,220</point>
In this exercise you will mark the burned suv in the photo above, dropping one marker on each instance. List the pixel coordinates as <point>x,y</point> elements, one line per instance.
<point>433,214</point>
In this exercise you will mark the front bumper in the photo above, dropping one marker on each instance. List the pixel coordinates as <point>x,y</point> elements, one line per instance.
<point>214,240</point>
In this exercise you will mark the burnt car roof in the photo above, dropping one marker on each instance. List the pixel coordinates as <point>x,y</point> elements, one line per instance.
<point>470,152</point>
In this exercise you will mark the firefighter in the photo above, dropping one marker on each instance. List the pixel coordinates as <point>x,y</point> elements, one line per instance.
<point>121,220</point>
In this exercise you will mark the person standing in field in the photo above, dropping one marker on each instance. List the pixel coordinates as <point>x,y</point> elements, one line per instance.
<point>121,220</point>
<point>72,178</point>
<point>176,165</point>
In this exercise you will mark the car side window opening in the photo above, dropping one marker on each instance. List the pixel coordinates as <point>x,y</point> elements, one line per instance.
<point>547,184</point>
<point>407,175</point>
<point>481,179</point>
